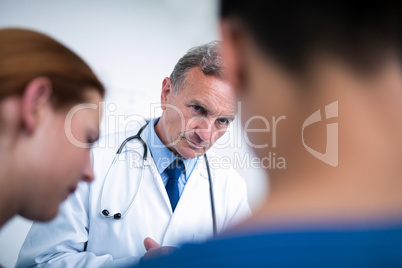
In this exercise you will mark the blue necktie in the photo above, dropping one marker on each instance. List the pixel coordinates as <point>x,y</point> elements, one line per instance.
<point>174,171</point>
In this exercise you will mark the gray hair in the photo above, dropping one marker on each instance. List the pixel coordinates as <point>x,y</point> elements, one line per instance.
<point>207,57</point>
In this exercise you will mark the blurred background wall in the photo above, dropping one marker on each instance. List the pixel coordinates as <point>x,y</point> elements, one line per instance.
<point>132,45</point>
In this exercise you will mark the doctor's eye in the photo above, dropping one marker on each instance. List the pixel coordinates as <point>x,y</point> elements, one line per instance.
<point>223,121</point>
<point>198,109</point>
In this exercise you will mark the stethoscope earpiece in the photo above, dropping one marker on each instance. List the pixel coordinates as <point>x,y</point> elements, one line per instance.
<point>106,213</point>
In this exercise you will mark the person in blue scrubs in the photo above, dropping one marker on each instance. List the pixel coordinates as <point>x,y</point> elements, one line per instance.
<point>333,73</point>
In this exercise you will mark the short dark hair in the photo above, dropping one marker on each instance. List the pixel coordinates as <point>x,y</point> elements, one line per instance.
<point>359,33</point>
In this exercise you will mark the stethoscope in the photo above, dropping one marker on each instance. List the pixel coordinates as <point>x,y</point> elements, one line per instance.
<point>117,216</point>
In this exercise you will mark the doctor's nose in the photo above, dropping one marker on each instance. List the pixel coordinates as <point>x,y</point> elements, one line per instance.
<point>204,129</point>
<point>87,173</point>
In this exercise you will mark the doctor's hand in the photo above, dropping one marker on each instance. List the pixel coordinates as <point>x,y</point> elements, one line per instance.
<point>155,250</point>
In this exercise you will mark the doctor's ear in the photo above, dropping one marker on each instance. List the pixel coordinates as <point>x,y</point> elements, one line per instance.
<point>35,98</point>
<point>167,92</point>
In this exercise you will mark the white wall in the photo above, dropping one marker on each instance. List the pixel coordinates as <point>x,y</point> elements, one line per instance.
<point>132,46</point>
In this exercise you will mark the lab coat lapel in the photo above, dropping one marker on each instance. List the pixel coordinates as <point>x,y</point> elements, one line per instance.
<point>198,178</point>
<point>194,199</point>
<point>157,177</point>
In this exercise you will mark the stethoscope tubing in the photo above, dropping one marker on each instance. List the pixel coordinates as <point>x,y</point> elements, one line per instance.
<point>117,216</point>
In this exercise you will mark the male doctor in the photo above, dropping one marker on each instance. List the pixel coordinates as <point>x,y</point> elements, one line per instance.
<point>167,202</point>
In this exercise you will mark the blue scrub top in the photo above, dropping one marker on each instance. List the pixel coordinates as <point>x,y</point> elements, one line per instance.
<point>376,247</point>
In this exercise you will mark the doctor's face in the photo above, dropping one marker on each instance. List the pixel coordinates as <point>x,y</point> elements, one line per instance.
<point>197,115</point>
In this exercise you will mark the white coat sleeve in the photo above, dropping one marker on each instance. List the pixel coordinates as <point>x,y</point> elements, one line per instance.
<point>61,242</point>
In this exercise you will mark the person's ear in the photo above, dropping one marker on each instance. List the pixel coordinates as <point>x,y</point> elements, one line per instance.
<point>167,90</point>
<point>232,52</point>
<point>34,100</point>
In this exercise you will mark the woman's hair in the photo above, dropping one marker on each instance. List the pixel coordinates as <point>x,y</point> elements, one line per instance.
<point>26,55</point>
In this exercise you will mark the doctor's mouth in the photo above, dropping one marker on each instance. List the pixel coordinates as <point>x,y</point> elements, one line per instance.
<point>194,145</point>
<point>195,142</point>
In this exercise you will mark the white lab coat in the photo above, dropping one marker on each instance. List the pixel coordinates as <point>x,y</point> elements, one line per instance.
<point>80,237</point>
